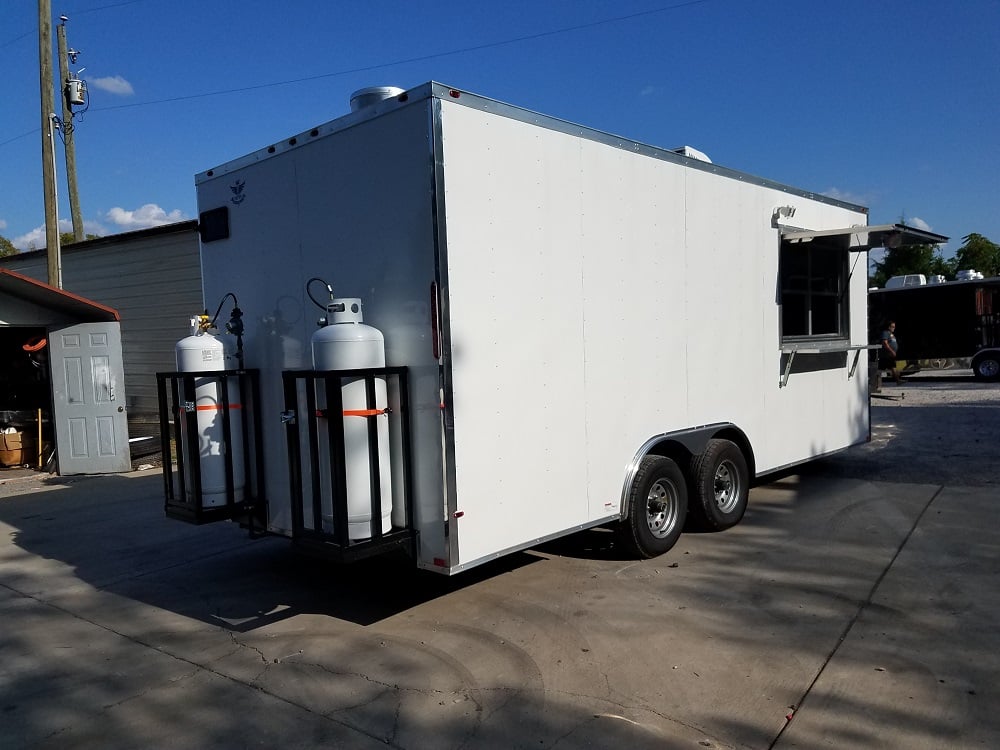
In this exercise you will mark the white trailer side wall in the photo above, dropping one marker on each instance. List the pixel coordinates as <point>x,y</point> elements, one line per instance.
<point>599,297</point>
<point>516,313</point>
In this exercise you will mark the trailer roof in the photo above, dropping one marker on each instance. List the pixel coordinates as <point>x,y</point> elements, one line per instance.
<point>515,112</point>
<point>434,90</point>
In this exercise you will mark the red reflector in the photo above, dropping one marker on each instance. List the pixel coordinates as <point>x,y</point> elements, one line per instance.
<point>458,514</point>
<point>439,561</point>
<point>454,94</point>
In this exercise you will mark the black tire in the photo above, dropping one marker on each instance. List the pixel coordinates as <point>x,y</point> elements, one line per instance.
<point>657,507</point>
<point>986,366</point>
<point>720,486</point>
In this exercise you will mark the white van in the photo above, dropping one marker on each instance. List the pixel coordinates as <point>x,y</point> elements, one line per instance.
<point>910,279</point>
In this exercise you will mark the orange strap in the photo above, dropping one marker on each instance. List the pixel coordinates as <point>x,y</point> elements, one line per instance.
<point>213,407</point>
<point>364,412</point>
<point>35,343</point>
<point>356,412</point>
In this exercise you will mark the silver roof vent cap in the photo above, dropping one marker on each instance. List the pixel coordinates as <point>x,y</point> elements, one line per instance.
<point>373,95</point>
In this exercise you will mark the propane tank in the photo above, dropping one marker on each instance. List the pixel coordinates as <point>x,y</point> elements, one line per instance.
<point>346,343</point>
<point>205,352</point>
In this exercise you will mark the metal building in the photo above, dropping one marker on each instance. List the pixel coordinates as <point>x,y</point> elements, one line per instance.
<point>152,277</point>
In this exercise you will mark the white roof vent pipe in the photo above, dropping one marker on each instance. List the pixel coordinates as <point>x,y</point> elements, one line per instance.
<point>373,95</point>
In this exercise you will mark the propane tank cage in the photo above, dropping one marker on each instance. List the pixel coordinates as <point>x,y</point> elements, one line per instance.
<point>176,392</point>
<point>301,418</point>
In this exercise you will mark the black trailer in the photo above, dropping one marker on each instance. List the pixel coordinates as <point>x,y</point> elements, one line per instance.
<point>950,320</point>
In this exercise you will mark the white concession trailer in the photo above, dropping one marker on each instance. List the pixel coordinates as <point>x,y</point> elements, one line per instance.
<point>555,329</point>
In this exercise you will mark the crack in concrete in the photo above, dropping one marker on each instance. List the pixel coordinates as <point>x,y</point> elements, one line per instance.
<point>240,645</point>
<point>861,607</point>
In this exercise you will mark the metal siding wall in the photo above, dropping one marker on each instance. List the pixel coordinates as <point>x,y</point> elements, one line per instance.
<point>155,285</point>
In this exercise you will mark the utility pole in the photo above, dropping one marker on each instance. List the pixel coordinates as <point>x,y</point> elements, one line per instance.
<point>69,140</point>
<point>48,146</point>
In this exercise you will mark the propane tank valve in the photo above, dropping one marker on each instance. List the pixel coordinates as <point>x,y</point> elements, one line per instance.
<point>235,324</point>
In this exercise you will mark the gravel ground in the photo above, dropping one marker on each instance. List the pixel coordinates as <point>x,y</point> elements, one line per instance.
<point>934,428</point>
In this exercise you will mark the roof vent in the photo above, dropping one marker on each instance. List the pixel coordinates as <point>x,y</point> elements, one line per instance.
<point>692,153</point>
<point>372,95</point>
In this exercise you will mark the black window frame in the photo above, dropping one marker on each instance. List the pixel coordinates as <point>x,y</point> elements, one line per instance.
<point>816,276</point>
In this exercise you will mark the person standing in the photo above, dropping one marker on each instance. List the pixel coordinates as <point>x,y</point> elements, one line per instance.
<point>889,352</point>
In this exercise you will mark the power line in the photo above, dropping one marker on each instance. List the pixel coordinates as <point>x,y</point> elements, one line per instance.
<point>378,66</point>
<point>18,137</point>
<point>406,61</point>
<point>75,13</point>
<point>17,38</point>
<point>106,7</point>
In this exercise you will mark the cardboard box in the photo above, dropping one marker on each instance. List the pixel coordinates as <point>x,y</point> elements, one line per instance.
<point>11,449</point>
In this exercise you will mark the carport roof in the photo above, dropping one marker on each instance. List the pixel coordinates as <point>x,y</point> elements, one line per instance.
<point>16,285</point>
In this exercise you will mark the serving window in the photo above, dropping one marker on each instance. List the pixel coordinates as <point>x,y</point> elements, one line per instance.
<point>813,279</point>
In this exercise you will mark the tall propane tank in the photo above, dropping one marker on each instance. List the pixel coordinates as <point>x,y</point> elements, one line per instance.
<point>346,343</point>
<point>205,352</point>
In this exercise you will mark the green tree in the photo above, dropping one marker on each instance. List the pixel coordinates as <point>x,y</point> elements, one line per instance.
<point>67,238</point>
<point>942,266</point>
<point>925,259</point>
<point>977,253</point>
<point>6,247</point>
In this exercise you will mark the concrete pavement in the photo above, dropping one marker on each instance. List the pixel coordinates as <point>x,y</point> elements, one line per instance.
<point>864,610</point>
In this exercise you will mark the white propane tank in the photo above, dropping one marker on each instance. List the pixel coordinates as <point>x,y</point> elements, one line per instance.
<point>346,343</point>
<point>204,352</point>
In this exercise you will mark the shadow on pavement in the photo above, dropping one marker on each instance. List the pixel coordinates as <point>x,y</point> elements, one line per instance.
<point>111,533</point>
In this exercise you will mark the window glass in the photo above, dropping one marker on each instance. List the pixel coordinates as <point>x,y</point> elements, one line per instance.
<point>813,278</point>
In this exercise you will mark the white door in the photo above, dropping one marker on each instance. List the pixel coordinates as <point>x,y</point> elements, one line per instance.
<point>88,399</point>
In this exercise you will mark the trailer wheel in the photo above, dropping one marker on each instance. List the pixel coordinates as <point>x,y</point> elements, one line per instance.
<point>657,507</point>
<point>986,367</point>
<point>720,485</point>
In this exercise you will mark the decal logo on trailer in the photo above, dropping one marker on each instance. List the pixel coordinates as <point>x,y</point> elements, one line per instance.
<point>238,196</point>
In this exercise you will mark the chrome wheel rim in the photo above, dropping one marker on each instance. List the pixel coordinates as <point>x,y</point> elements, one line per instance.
<point>727,487</point>
<point>662,508</point>
<point>989,368</point>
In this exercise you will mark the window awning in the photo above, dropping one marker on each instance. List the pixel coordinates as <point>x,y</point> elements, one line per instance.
<point>858,239</point>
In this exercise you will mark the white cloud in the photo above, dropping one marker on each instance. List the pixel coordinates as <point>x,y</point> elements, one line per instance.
<point>649,90</point>
<point>918,223</point>
<point>145,217</point>
<point>33,240</point>
<point>149,215</point>
<point>93,227</point>
<point>113,85</point>
<point>3,224</point>
<point>847,196</point>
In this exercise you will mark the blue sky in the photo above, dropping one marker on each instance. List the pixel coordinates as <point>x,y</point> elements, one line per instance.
<point>891,104</point>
